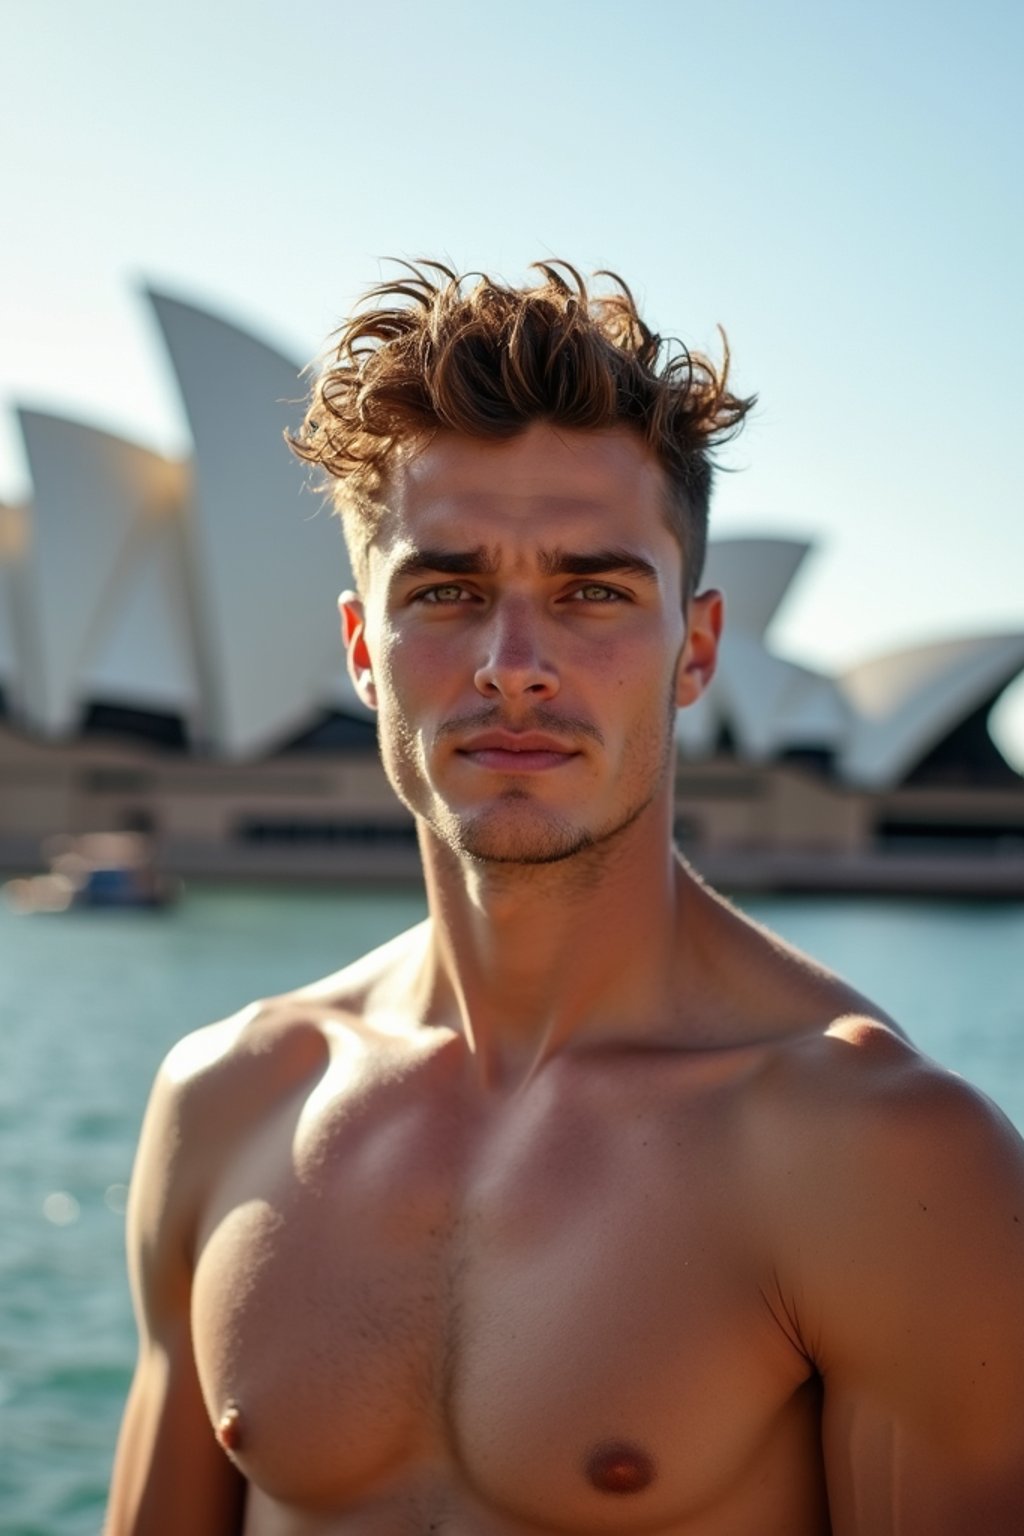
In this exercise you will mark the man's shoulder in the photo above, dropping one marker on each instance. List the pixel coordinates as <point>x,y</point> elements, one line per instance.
<point>860,1072</point>
<point>854,1097</point>
<point>886,1198</point>
<point>830,1056</point>
<point>877,1161</point>
<point>219,1086</point>
<point>277,1037</point>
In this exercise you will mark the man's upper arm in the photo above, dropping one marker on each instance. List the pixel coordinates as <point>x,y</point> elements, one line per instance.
<point>170,1475</point>
<point>914,1305</point>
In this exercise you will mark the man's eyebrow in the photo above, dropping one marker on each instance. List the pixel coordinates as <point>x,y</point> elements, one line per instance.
<point>597,562</point>
<point>449,562</point>
<point>553,562</point>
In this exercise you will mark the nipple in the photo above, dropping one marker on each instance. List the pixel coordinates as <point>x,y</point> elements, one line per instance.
<point>229,1428</point>
<point>618,1467</point>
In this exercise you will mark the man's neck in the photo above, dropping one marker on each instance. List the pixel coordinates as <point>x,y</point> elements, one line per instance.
<point>528,960</point>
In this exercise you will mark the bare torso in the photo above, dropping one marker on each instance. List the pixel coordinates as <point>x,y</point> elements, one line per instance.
<point>426,1309</point>
<point>589,1206</point>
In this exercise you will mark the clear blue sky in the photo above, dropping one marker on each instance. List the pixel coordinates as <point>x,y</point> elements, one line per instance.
<point>838,184</point>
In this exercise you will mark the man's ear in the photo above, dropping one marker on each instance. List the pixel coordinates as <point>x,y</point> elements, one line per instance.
<point>353,633</point>
<point>699,657</point>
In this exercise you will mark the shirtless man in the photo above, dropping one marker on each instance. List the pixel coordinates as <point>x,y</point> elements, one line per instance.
<point>587,1205</point>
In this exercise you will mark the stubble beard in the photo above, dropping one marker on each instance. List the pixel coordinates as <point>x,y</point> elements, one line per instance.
<point>498,835</point>
<point>520,829</point>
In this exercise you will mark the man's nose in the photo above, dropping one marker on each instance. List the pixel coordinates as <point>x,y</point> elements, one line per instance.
<point>515,663</point>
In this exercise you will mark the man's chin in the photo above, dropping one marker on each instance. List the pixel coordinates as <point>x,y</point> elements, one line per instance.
<point>525,855</point>
<point>513,836</point>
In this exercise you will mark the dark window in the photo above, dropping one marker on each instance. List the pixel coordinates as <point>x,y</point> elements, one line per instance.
<point>817,760</point>
<point>116,781</point>
<point>114,720</point>
<point>335,732</point>
<point>967,757</point>
<point>725,742</point>
<point>368,834</point>
<point>986,836</point>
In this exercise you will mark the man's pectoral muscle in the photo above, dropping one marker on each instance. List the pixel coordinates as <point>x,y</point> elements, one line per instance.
<point>580,1354</point>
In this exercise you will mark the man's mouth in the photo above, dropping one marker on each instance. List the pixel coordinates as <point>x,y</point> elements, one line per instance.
<point>517,751</point>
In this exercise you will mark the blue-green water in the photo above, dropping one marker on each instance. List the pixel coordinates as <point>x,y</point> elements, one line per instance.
<point>89,1003</point>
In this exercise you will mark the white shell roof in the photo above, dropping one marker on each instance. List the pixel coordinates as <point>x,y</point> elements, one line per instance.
<point>755,574</point>
<point>268,560</point>
<point>771,704</point>
<point>210,590</point>
<point>905,702</point>
<point>97,499</point>
<point>145,654</point>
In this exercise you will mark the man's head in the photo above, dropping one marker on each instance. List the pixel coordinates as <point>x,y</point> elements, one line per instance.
<point>432,352</point>
<point>524,640</point>
<point>524,478</point>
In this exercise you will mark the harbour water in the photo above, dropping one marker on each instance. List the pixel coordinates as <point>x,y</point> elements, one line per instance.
<point>90,1002</point>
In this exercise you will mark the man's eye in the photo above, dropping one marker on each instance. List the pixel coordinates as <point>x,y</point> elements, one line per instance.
<point>450,592</point>
<point>596,592</point>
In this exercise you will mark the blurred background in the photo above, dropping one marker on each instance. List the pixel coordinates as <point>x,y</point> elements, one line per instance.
<point>191,809</point>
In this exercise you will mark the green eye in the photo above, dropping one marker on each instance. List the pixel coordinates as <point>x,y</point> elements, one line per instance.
<point>594,592</point>
<point>446,594</point>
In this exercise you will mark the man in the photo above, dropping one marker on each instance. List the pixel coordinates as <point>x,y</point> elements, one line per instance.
<point>588,1205</point>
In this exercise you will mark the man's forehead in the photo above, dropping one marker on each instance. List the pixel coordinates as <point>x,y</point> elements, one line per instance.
<point>530,500</point>
<point>480,518</point>
<point>489,502</point>
<point>541,463</point>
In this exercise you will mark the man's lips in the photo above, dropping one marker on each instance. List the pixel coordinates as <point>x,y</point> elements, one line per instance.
<point>516,751</point>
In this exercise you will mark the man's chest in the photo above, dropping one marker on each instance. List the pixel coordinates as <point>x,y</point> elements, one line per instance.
<point>567,1292</point>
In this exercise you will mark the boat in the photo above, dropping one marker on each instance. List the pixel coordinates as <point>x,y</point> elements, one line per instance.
<point>111,871</point>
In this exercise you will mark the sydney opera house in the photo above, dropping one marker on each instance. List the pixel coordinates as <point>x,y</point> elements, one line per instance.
<point>170,662</point>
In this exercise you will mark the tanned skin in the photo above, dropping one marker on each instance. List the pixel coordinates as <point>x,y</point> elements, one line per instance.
<point>587,1205</point>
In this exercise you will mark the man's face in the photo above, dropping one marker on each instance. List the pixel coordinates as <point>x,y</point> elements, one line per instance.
<point>525,642</point>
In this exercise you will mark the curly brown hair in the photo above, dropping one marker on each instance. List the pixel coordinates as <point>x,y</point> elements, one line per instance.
<point>434,351</point>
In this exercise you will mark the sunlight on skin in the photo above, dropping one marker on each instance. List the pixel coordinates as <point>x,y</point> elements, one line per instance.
<point>348,1052</point>
<point>389,1021</point>
<point>202,1050</point>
